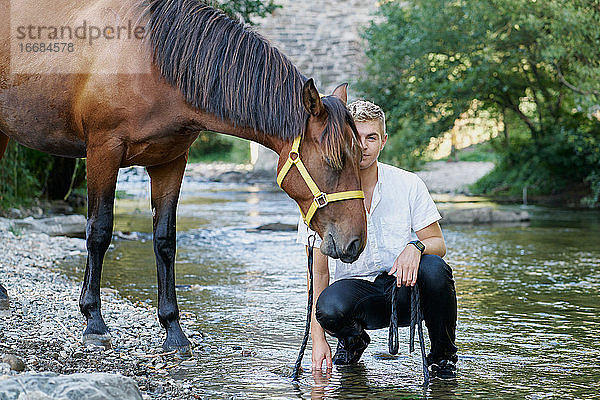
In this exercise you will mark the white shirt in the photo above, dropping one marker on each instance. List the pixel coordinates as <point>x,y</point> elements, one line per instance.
<point>400,206</point>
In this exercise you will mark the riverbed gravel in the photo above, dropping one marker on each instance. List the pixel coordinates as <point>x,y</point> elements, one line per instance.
<point>42,327</point>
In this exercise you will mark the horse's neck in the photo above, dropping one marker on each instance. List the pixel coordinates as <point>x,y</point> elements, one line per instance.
<point>215,124</point>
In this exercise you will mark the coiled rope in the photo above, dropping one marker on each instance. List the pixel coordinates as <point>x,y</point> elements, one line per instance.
<point>296,373</point>
<point>416,317</point>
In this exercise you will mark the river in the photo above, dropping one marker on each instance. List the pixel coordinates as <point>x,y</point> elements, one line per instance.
<point>528,302</point>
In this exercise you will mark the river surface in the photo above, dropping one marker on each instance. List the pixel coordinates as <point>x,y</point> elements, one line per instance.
<point>528,302</point>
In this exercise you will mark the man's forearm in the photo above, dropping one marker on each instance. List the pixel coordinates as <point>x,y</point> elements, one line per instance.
<point>434,245</point>
<point>320,282</point>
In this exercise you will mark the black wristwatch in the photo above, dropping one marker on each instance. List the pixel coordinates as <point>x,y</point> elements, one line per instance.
<point>418,245</point>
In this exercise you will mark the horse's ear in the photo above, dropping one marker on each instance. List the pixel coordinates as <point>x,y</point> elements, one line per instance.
<point>311,98</point>
<point>341,92</point>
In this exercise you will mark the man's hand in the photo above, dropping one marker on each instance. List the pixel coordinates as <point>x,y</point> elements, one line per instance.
<point>321,351</point>
<point>406,266</point>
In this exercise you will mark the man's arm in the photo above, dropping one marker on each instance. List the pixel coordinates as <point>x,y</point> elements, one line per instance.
<point>407,263</point>
<point>320,348</point>
<point>433,239</point>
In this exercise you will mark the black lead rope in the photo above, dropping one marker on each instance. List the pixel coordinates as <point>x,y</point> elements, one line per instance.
<point>416,317</point>
<point>311,243</point>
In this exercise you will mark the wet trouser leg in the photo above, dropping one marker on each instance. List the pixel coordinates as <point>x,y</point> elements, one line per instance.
<point>348,306</point>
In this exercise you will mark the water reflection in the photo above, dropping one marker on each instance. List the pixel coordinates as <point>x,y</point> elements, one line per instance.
<point>529,300</point>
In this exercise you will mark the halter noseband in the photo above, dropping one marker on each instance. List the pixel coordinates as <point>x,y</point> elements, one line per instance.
<point>321,199</point>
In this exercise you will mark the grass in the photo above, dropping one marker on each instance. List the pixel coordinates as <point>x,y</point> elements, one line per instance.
<point>15,230</point>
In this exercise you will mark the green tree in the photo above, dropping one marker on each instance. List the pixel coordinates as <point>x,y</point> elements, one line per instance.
<point>532,64</point>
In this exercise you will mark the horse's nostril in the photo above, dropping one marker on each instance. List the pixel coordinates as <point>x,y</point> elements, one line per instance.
<point>353,248</point>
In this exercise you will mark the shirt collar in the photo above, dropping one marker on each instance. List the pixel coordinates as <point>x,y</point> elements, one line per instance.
<point>377,191</point>
<point>380,174</point>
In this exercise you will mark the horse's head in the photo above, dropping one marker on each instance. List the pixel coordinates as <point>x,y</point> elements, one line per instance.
<point>320,171</point>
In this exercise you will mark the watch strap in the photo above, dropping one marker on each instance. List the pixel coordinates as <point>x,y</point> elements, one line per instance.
<point>418,245</point>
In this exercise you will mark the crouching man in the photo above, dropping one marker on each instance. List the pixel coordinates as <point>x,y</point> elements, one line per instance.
<point>405,246</point>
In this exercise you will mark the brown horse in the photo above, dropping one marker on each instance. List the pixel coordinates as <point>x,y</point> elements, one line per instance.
<point>144,102</point>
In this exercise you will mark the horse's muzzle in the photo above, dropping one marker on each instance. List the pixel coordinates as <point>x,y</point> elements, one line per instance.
<point>348,253</point>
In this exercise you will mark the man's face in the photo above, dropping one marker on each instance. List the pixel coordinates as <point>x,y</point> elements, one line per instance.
<point>372,140</point>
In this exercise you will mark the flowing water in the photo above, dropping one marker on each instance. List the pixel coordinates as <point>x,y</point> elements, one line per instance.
<point>528,297</point>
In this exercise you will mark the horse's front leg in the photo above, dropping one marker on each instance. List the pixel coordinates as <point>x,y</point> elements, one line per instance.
<point>166,183</point>
<point>102,170</point>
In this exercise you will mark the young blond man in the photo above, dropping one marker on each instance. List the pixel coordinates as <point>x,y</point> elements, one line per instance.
<point>405,246</point>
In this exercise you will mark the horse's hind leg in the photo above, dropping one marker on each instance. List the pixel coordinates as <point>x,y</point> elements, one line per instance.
<point>102,169</point>
<point>166,182</point>
<point>3,144</point>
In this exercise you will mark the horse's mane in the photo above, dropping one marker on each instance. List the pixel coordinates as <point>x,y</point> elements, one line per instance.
<point>333,138</point>
<point>225,68</point>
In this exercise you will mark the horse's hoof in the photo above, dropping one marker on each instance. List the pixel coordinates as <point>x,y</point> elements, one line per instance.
<point>183,351</point>
<point>96,340</point>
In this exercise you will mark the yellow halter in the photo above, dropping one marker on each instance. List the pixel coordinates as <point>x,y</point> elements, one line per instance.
<point>320,199</point>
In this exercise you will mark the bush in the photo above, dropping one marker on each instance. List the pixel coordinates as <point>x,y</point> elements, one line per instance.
<point>211,146</point>
<point>22,172</point>
<point>566,156</point>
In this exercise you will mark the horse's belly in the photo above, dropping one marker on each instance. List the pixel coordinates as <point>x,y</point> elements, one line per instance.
<point>38,115</point>
<point>160,150</point>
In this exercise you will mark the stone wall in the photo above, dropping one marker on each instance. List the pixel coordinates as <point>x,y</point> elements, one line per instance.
<point>321,37</point>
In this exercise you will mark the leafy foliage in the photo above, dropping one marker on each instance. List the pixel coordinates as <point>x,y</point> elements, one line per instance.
<point>21,173</point>
<point>532,64</point>
<point>245,10</point>
<point>211,146</point>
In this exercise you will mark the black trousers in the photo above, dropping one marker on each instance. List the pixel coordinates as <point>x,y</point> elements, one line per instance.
<point>348,306</point>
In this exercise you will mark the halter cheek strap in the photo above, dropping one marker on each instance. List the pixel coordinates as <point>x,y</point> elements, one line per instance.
<point>320,199</point>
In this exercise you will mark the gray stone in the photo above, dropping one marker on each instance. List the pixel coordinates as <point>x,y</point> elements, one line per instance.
<point>62,225</point>
<point>481,215</point>
<point>278,226</point>
<point>16,364</point>
<point>37,212</point>
<point>14,213</point>
<point>96,386</point>
<point>230,177</point>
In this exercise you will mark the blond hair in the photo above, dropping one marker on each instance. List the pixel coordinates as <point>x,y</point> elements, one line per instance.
<point>364,111</point>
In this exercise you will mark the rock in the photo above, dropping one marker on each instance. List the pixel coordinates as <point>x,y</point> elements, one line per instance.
<point>62,225</point>
<point>69,387</point>
<point>230,177</point>
<point>127,235</point>
<point>109,291</point>
<point>14,213</point>
<point>481,215</point>
<point>61,207</point>
<point>16,364</point>
<point>278,226</point>
<point>4,369</point>
<point>37,212</point>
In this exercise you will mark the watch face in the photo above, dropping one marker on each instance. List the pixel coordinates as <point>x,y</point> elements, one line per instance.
<point>419,245</point>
